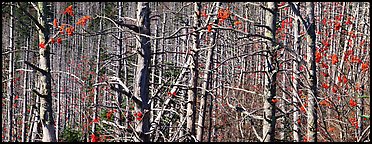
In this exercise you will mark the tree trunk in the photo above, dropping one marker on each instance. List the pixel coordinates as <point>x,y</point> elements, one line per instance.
<point>25,99</point>
<point>141,81</point>
<point>96,91</point>
<point>312,92</point>
<point>295,100</point>
<point>10,78</point>
<point>270,78</point>
<point>207,76</point>
<point>193,83</point>
<point>46,112</point>
<point>119,97</point>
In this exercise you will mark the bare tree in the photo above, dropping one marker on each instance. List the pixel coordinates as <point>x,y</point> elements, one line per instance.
<point>312,106</point>
<point>271,69</point>
<point>141,83</point>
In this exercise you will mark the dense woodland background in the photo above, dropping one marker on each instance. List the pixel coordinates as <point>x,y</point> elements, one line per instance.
<point>185,71</point>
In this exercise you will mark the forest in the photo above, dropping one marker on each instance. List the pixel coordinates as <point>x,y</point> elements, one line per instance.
<point>185,72</point>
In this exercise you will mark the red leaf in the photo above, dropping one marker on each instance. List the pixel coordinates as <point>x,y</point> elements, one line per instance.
<point>204,14</point>
<point>274,100</point>
<point>69,11</point>
<point>94,138</point>
<point>52,40</point>
<point>237,22</point>
<point>70,31</point>
<point>96,120</point>
<point>326,86</point>
<point>318,56</point>
<point>42,45</point>
<point>209,28</point>
<point>352,103</point>
<point>139,116</point>
<point>337,26</point>
<point>362,43</point>
<point>334,59</point>
<point>108,114</point>
<point>364,66</point>
<point>55,23</point>
<point>348,22</point>
<point>324,65</point>
<point>324,21</point>
<point>334,89</point>
<point>59,40</point>
<point>82,21</point>
<point>344,79</point>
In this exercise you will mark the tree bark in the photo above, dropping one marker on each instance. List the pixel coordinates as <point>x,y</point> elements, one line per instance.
<point>270,78</point>
<point>312,92</point>
<point>96,89</point>
<point>46,112</point>
<point>193,83</point>
<point>295,67</point>
<point>141,81</point>
<point>10,78</point>
<point>207,76</point>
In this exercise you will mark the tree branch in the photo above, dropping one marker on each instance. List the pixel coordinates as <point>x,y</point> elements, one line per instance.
<point>36,67</point>
<point>123,90</point>
<point>39,94</point>
<point>31,17</point>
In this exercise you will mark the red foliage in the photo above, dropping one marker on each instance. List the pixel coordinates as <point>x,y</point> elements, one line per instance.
<point>108,114</point>
<point>274,100</point>
<point>204,14</point>
<point>324,103</point>
<point>352,103</point>
<point>325,43</point>
<point>362,42</point>
<point>326,86</point>
<point>324,21</point>
<point>59,40</point>
<point>354,122</point>
<point>69,11</point>
<point>324,65</point>
<point>42,45</point>
<point>55,23</point>
<point>334,89</point>
<point>237,22</point>
<point>338,18</point>
<point>318,56</point>
<point>334,59</point>
<point>61,28</point>
<point>348,22</point>
<point>337,26</point>
<point>70,31</point>
<point>82,21</point>
<point>223,14</point>
<point>94,138</point>
<point>138,116</point>
<point>303,108</point>
<point>365,66</point>
<point>52,40</point>
<point>344,79</point>
<point>209,27</point>
<point>96,120</point>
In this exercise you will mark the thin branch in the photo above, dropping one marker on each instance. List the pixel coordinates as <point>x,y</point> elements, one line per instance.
<point>36,67</point>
